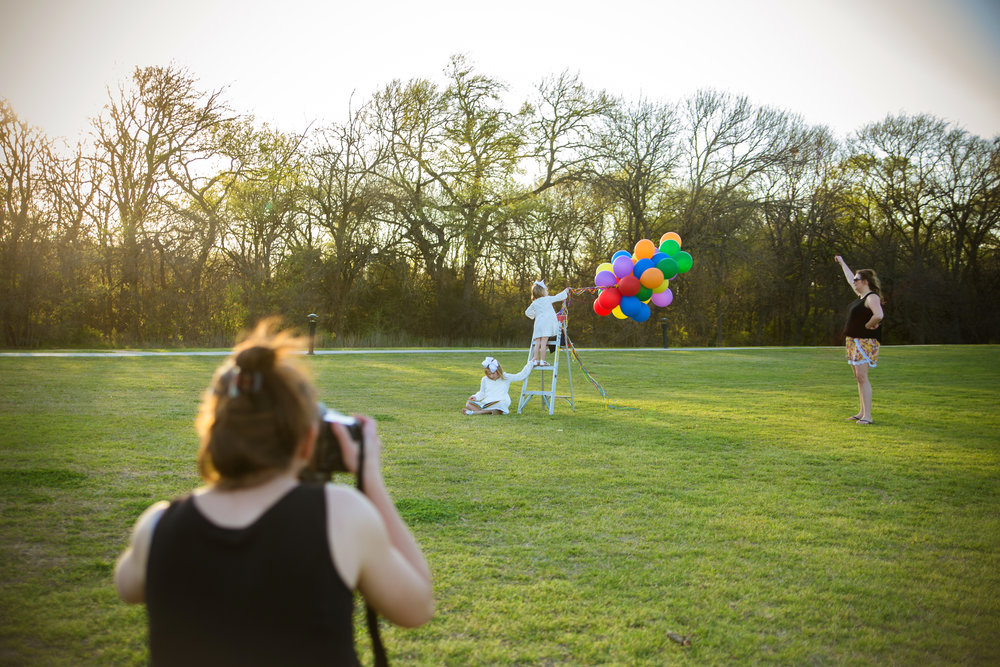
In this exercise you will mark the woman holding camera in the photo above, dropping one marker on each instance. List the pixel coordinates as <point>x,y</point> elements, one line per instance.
<point>257,567</point>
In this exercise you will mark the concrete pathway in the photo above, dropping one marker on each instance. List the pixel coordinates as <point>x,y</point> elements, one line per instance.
<point>223,353</point>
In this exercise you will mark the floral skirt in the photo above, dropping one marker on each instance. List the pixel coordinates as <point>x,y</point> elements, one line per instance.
<point>862,351</point>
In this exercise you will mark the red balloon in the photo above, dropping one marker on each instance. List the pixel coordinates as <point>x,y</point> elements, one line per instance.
<point>600,311</point>
<point>609,298</point>
<point>629,286</point>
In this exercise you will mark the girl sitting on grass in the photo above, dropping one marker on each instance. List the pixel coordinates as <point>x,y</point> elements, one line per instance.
<point>493,397</point>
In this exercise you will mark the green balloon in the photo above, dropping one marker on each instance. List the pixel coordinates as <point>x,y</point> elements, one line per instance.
<point>644,294</point>
<point>669,266</point>
<point>684,262</point>
<point>670,246</point>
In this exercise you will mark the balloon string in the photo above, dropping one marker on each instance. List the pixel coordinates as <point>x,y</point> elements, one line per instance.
<point>562,316</point>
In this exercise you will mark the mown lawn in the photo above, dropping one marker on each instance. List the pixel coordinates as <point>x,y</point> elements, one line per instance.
<point>723,498</point>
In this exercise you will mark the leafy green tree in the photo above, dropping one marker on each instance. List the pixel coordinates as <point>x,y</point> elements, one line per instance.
<point>345,205</point>
<point>803,204</point>
<point>25,157</point>
<point>158,125</point>
<point>635,155</point>
<point>898,178</point>
<point>728,144</point>
<point>264,218</point>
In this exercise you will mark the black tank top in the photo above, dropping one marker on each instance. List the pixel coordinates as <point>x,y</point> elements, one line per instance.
<point>267,594</point>
<point>857,315</point>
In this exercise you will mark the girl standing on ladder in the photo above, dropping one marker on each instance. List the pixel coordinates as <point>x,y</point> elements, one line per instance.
<point>547,324</point>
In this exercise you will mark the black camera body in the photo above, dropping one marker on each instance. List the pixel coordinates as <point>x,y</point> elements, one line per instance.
<point>327,458</point>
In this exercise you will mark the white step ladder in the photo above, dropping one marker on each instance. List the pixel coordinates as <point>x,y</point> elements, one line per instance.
<point>549,395</point>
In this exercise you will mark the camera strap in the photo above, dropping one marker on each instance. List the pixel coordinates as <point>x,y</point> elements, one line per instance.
<point>378,649</point>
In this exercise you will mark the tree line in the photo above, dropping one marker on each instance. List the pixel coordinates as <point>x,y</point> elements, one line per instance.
<point>425,215</point>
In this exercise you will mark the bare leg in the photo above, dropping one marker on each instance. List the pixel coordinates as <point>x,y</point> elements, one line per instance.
<point>537,350</point>
<point>472,409</point>
<point>864,391</point>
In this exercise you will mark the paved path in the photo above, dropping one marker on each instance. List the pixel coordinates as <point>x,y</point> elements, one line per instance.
<point>223,353</point>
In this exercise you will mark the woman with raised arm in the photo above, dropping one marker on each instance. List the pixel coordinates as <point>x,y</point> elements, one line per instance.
<point>863,333</point>
<point>257,567</point>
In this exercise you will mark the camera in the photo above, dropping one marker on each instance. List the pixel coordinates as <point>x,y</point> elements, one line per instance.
<point>326,458</point>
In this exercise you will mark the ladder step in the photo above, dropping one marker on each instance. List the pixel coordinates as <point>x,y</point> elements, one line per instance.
<point>549,396</point>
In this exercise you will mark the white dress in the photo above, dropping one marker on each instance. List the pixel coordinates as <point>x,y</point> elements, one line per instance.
<point>493,394</point>
<point>544,313</point>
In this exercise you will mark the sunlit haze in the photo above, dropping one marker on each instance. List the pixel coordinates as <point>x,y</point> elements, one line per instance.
<point>840,63</point>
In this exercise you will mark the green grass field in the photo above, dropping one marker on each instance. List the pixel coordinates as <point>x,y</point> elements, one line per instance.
<point>732,505</point>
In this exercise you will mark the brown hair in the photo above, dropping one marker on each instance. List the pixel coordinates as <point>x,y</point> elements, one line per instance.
<point>538,291</point>
<point>868,275</point>
<point>257,410</point>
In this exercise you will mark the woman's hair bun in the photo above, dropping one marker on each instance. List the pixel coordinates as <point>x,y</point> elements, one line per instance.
<point>256,358</point>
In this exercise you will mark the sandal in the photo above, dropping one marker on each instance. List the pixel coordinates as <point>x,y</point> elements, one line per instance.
<point>865,422</point>
<point>853,418</point>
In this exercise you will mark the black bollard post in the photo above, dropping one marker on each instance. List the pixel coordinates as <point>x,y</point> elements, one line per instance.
<point>313,317</point>
<point>663,326</point>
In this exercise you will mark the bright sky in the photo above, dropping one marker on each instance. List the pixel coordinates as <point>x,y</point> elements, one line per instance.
<point>840,63</point>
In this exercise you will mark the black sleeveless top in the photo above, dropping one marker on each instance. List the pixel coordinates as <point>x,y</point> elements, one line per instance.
<point>267,594</point>
<point>857,314</point>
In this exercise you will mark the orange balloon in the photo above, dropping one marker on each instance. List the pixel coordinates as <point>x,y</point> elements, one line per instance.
<point>651,278</point>
<point>644,249</point>
<point>671,235</point>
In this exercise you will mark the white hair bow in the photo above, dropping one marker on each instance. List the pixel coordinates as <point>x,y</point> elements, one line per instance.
<point>491,364</point>
<point>541,283</point>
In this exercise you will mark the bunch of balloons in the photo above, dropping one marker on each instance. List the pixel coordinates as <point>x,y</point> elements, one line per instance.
<point>632,281</point>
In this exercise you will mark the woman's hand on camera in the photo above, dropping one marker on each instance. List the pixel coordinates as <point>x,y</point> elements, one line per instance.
<point>349,449</point>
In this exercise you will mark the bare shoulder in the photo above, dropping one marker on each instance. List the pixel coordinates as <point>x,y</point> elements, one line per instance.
<point>142,533</point>
<point>130,570</point>
<point>350,505</point>
<point>354,531</point>
<point>146,522</point>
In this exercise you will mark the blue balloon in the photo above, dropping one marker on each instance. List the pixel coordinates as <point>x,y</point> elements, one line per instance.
<point>658,256</point>
<point>643,313</point>
<point>630,306</point>
<point>641,266</point>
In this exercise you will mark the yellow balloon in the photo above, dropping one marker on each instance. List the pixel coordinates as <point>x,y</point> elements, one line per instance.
<point>662,287</point>
<point>617,312</point>
<point>604,267</point>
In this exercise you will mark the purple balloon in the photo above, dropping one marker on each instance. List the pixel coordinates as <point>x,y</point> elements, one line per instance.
<point>662,299</point>
<point>622,266</point>
<point>605,279</point>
